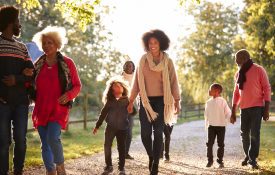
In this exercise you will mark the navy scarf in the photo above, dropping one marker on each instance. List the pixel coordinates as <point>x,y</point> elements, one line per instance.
<point>242,78</point>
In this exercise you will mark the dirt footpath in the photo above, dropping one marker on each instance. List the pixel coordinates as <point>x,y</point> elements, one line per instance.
<point>188,155</point>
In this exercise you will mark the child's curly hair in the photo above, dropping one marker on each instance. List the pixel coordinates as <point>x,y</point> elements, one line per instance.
<point>108,92</point>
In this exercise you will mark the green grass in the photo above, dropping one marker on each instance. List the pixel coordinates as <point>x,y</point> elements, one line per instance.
<point>189,119</point>
<point>76,142</point>
<point>267,148</point>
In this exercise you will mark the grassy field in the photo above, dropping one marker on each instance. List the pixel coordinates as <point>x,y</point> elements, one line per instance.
<point>77,142</point>
<point>267,148</point>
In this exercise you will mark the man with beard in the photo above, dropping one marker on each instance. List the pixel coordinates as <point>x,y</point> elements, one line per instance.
<point>128,74</point>
<point>15,74</point>
<point>253,94</point>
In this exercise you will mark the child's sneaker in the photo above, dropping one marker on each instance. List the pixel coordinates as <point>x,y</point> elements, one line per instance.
<point>209,164</point>
<point>254,165</point>
<point>128,156</point>
<point>220,162</point>
<point>108,169</point>
<point>245,161</point>
<point>221,165</point>
<point>167,158</point>
<point>122,172</point>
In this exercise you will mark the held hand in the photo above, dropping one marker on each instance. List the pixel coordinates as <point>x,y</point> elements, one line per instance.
<point>130,108</point>
<point>2,101</point>
<point>95,131</point>
<point>266,115</point>
<point>63,99</point>
<point>28,72</point>
<point>233,117</point>
<point>177,107</point>
<point>9,80</point>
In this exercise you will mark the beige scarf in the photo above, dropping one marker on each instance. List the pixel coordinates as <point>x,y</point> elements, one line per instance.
<point>168,98</point>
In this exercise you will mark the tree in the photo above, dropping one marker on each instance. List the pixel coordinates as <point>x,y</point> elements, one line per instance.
<point>207,54</point>
<point>258,19</point>
<point>81,12</point>
<point>91,49</point>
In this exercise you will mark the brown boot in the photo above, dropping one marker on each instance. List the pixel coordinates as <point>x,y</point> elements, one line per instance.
<point>60,169</point>
<point>53,172</point>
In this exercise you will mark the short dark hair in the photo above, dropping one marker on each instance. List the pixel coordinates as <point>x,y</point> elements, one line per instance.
<point>217,86</point>
<point>243,54</point>
<point>162,38</point>
<point>8,14</point>
<point>127,62</point>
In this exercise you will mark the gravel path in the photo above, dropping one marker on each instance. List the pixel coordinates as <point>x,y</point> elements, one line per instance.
<point>188,155</point>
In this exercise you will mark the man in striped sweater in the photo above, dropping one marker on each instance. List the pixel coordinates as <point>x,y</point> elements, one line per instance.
<point>15,64</point>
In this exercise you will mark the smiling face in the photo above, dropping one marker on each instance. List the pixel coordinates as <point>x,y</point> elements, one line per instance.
<point>49,46</point>
<point>154,46</point>
<point>129,68</point>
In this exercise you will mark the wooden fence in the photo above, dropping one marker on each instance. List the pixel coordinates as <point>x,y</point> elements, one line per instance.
<point>192,110</point>
<point>187,111</point>
<point>85,109</point>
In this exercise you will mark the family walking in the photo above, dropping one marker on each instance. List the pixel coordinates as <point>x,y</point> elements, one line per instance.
<point>151,89</point>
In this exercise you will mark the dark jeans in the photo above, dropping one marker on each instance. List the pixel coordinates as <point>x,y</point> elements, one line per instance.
<point>129,134</point>
<point>250,132</point>
<point>214,131</point>
<point>120,135</point>
<point>18,116</point>
<point>167,138</point>
<point>153,147</point>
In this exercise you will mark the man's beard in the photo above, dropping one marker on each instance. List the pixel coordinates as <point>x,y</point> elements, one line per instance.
<point>16,31</point>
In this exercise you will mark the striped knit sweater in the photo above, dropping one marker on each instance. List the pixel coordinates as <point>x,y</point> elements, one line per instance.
<point>14,59</point>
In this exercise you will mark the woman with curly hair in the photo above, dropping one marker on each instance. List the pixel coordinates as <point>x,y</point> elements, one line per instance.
<point>57,83</point>
<point>157,85</point>
<point>115,114</point>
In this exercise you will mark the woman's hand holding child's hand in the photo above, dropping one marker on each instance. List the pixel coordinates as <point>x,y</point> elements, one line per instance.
<point>130,107</point>
<point>95,131</point>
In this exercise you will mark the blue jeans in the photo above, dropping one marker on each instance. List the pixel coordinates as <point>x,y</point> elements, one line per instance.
<point>250,132</point>
<point>52,149</point>
<point>153,148</point>
<point>18,116</point>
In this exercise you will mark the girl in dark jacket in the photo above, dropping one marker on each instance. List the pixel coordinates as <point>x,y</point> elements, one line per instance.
<point>115,114</point>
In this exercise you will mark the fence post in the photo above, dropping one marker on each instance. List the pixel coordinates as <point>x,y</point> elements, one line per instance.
<point>181,110</point>
<point>85,110</point>
<point>199,110</point>
<point>185,112</point>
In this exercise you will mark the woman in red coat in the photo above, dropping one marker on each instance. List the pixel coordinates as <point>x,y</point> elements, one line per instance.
<point>57,84</point>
